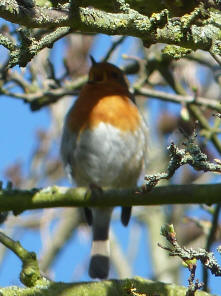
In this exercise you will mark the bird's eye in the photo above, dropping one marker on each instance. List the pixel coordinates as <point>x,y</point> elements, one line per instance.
<point>98,77</point>
<point>114,75</point>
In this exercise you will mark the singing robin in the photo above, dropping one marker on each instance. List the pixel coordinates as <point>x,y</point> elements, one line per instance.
<point>104,144</point>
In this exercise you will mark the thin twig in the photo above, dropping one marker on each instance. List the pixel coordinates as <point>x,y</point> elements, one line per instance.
<point>190,257</point>
<point>210,240</point>
<point>191,154</point>
<point>175,98</point>
<point>113,47</point>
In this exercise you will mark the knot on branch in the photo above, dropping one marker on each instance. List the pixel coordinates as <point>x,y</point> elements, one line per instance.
<point>30,274</point>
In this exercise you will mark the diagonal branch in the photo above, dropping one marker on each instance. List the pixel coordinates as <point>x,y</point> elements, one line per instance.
<point>175,98</point>
<point>190,257</point>
<point>191,154</point>
<point>30,46</point>
<point>30,273</point>
<point>206,258</point>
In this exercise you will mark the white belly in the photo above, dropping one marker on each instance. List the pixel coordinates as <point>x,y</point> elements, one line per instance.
<point>106,156</point>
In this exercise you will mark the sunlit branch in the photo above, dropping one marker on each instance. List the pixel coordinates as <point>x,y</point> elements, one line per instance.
<point>20,200</point>
<point>160,27</point>
<point>30,273</point>
<point>175,98</point>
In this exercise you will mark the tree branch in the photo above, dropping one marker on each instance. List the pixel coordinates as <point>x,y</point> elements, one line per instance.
<point>30,15</point>
<point>132,287</point>
<point>44,96</point>
<point>175,98</point>
<point>31,277</point>
<point>210,240</point>
<point>190,257</point>
<point>81,197</point>
<point>200,29</point>
<point>191,155</point>
<point>31,46</point>
<point>20,200</point>
<point>30,273</point>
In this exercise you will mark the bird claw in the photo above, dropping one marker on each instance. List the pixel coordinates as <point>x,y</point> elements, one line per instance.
<point>93,189</point>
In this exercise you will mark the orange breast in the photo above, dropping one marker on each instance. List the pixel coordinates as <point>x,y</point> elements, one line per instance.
<point>96,104</point>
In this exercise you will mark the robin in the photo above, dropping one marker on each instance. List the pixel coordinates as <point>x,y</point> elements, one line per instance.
<point>103,144</point>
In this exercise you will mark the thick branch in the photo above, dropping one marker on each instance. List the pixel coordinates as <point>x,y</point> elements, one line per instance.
<point>198,30</point>
<point>32,16</point>
<point>30,46</point>
<point>19,200</point>
<point>136,286</point>
<point>81,197</point>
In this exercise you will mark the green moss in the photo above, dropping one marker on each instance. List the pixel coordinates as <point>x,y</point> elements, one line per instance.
<point>176,52</point>
<point>45,3</point>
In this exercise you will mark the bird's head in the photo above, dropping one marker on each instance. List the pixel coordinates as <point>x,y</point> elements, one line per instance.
<point>106,73</point>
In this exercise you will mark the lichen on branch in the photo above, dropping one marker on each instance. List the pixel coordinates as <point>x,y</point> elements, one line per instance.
<point>190,257</point>
<point>191,154</point>
<point>30,273</point>
<point>196,28</point>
